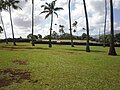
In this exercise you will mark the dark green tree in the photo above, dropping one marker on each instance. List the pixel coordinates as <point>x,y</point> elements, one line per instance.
<point>83,36</point>
<point>117,37</point>
<point>39,36</point>
<point>34,37</point>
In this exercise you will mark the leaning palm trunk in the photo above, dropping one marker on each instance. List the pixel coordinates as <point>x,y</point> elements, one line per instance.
<point>104,40</point>
<point>87,27</point>
<point>72,45</point>
<point>12,26</point>
<point>33,22</point>
<point>112,48</point>
<point>50,43</point>
<point>3,29</point>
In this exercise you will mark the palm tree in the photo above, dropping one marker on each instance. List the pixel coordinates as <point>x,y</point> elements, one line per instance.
<point>105,22</point>
<point>3,7</point>
<point>112,48</point>
<point>70,26</point>
<point>50,9</point>
<point>32,22</point>
<point>61,29</point>
<point>87,27</point>
<point>12,4</point>
<point>74,25</point>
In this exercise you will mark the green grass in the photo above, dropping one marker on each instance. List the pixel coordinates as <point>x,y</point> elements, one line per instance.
<point>63,67</point>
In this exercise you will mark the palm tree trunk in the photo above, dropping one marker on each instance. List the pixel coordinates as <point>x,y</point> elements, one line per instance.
<point>104,41</point>
<point>32,22</point>
<point>50,43</point>
<point>72,45</point>
<point>12,26</point>
<point>3,28</point>
<point>112,48</point>
<point>87,27</point>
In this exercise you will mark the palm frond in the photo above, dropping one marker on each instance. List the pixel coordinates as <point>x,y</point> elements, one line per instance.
<point>16,1</point>
<point>58,8</point>
<point>48,4</point>
<point>15,6</point>
<point>47,15</point>
<point>46,8</point>
<point>56,14</point>
<point>52,5</point>
<point>44,12</point>
<point>43,6</point>
<point>1,29</point>
<point>3,5</point>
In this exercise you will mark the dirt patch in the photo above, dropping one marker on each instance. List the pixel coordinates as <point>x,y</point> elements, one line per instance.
<point>20,62</point>
<point>9,75</point>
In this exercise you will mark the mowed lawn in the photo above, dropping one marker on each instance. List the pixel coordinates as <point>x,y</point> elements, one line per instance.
<point>61,67</point>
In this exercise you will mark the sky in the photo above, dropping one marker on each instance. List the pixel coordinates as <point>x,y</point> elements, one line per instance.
<point>95,9</point>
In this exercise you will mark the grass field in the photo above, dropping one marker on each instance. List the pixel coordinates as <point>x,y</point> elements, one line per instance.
<point>24,67</point>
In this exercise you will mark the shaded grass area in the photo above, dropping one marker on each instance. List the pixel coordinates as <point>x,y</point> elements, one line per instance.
<point>61,67</point>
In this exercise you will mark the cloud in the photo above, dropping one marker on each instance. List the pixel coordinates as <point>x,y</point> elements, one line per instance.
<point>22,18</point>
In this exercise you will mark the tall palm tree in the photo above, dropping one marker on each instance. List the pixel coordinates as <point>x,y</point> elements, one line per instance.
<point>70,26</point>
<point>87,27</point>
<point>112,48</point>
<point>3,7</point>
<point>12,4</point>
<point>32,22</point>
<point>50,9</point>
<point>105,23</point>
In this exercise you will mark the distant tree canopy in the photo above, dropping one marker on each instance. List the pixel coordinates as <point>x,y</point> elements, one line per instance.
<point>39,36</point>
<point>34,36</point>
<point>84,35</point>
<point>55,35</point>
<point>61,29</point>
<point>107,38</point>
<point>117,37</point>
<point>63,36</point>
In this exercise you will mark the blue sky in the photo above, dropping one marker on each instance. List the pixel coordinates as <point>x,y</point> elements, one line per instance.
<point>22,18</point>
<point>117,15</point>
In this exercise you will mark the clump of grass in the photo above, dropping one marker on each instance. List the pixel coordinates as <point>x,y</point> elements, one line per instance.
<point>20,62</point>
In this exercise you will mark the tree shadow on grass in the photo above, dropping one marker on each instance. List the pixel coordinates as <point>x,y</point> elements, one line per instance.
<point>84,50</point>
<point>23,48</point>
